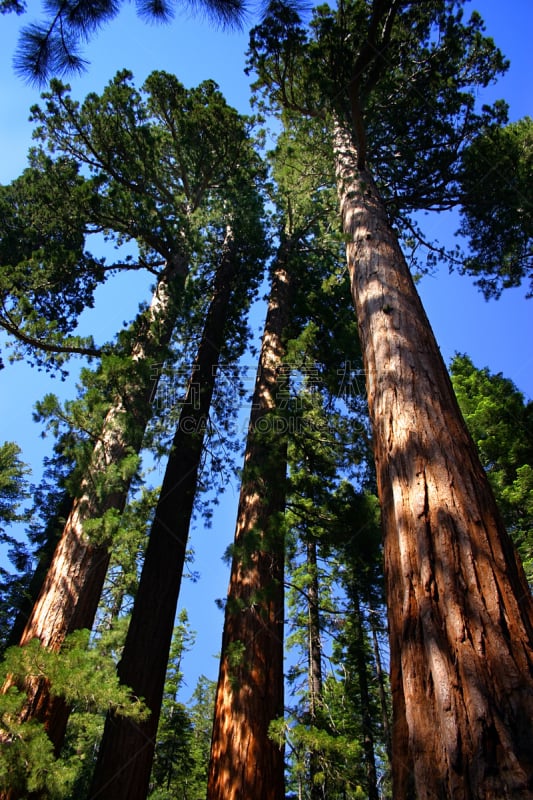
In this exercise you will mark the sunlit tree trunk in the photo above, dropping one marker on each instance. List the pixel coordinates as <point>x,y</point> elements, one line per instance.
<point>127,748</point>
<point>69,597</point>
<point>460,611</point>
<point>245,762</point>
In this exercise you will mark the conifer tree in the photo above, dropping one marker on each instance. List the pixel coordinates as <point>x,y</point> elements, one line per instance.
<point>48,276</point>
<point>331,527</point>
<point>46,518</point>
<point>460,613</point>
<point>126,751</point>
<point>156,159</point>
<point>497,214</point>
<point>13,492</point>
<point>52,45</point>
<point>501,422</point>
<point>244,761</point>
<point>184,735</point>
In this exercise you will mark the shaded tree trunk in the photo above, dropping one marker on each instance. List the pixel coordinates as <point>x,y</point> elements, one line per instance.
<point>127,748</point>
<point>315,660</point>
<point>381,688</point>
<point>315,649</point>
<point>244,761</point>
<point>69,596</point>
<point>460,611</point>
<point>364,694</point>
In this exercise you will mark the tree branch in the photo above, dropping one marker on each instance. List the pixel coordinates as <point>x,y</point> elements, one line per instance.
<point>32,341</point>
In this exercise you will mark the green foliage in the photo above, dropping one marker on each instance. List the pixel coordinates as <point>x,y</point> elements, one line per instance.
<point>78,426</point>
<point>13,484</point>
<point>184,733</point>
<point>9,6</point>
<point>501,424</point>
<point>235,652</point>
<point>28,762</point>
<point>155,156</point>
<point>337,757</point>
<point>47,277</point>
<point>162,168</point>
<point>52,45</point>
<point>333,549</point>
<point>348,64</point>
<point>169,169</point>
<point>78,673</point>
<point>497,215</point>
<point>14,491</point>
<point>85,679</point>
<point>128,546</point>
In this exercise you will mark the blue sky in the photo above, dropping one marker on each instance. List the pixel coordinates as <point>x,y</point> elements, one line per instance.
<point>495,334</point>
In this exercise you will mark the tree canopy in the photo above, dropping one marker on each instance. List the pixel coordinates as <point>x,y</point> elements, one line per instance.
<point>363,497</point>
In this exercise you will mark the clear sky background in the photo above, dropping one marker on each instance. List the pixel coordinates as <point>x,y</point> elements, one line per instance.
<point>497,334</point>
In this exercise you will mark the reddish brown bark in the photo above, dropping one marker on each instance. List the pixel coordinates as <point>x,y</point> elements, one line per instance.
<point>244,761</point>
<point>460,611</point>
<point>69,597</point>
<point>127,748</point>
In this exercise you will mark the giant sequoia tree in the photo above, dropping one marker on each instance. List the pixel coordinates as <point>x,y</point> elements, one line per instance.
<point>244,761</point>
<point>126,751</point>
<point>460,612</point>
<point>390,87</point>
<point>161,164</point>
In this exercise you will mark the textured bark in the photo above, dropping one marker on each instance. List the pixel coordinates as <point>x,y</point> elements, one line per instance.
<point>127,748</point>
<point>244,762</point>
<point>69,597</point>
<point>460,611</point>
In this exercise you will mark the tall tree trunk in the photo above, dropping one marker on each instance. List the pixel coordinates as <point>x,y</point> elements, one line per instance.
<point>381,688</point>
<point>460,610</point>
<point>364,695</point>
<point>69,597</point>
<point>127,748</point>
<point>315,661</point>
<point>245,762</point>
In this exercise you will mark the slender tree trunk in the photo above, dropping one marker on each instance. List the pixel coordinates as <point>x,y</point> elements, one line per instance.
<point>315,661</point>
<point>315,648</point>
<point>364,694</point>
<point>127,748</point>
<point>381,688</point>
<point>69,597</point>
<point>245,762</point>
<point>460,611</point>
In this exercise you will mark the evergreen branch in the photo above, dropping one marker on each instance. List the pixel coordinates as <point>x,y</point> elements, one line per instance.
<point>11,327</point>
<point>322,609</point>
<point>439,251</point>
<point>370,55</point>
